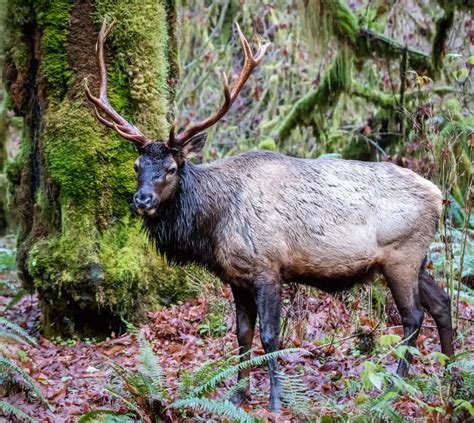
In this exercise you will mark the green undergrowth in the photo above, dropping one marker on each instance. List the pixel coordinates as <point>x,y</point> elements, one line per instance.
<point>13,377</point>
<point>148,395</point>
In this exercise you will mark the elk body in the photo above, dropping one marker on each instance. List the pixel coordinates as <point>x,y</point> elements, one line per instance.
<point>260,219</point>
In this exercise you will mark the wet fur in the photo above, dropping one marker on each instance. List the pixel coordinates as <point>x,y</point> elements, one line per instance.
<point>324,222</point>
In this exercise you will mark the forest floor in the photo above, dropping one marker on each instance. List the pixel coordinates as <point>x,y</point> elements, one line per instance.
<point>74,374</point>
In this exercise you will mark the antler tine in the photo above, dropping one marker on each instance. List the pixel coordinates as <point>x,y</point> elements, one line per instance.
<point>251,61</point>
<point>102,105</point>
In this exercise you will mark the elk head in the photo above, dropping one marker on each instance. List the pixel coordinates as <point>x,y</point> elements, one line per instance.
<point>160,162</point>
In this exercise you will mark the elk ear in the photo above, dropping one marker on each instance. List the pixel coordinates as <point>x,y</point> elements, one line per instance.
<point>195,144</point>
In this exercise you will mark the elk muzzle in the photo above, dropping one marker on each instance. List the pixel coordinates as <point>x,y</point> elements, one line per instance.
<point>146,201</point>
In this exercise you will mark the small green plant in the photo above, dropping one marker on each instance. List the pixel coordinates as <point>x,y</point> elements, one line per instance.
<point>11,374</point>
<point>147,394</point>
<point>214,323</point>
<point>445,393</point>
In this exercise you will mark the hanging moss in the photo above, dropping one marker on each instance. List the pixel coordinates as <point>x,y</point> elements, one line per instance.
<point>381,99</point>
<point>336,80</point>
<point>329,19</point>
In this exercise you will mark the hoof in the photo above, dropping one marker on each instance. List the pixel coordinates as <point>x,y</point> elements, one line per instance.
<point>274,405</point>
<point>239,398</point>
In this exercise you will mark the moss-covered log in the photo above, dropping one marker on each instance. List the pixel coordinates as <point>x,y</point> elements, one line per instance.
<point>80,244</point>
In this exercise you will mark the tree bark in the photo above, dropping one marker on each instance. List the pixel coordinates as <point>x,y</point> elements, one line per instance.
<point>80,244</point>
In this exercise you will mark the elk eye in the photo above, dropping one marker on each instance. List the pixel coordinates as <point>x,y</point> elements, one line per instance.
<point>171,170</point>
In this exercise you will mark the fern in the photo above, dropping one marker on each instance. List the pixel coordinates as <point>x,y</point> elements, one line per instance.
<point>296,396</point>
<point>380,409</point>
<point>122,397</point>
<point>238,387</point>
<point>16,330</point>
<point>16,298</point>
<point>151,368</point>
<point>145,392</point>
<point>221,408</point>
<point>106,416</point>
<point>12,337</point>
<point>214,381</point>
<point>10,367</point>
<point>9,409</point>
<point>210,369</point>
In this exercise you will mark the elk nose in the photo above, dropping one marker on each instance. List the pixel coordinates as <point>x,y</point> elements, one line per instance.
<point>145,199</point>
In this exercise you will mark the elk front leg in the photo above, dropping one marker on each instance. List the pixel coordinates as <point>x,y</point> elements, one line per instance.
<point>269,307</point>
<point>246,313</point>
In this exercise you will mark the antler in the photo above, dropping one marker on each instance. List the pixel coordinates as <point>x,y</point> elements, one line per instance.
<point>101,105</point>
<point>250,63</point>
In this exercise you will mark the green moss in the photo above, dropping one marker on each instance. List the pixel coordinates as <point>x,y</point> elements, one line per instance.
<point>53,17</point>
<point>267,144</point>
<point>18,15</point>
<point>116,274</point>
<point>90,169</point>
<point>330,19</point>
<point>381,99</point>
<point>80,244</point>
<point>140,38</point>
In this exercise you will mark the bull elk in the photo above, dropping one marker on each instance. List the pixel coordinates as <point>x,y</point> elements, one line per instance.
<point>260,219</point>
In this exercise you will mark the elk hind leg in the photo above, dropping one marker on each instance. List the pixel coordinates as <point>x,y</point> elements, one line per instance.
<point>437,302</point>
<point>403,283</point>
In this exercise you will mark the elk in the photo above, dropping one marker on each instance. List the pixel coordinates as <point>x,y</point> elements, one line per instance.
<point>260,219</point>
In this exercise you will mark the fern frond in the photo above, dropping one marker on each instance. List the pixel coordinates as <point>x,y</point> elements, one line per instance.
<point>224,409</point>
<point>150,366</point>
<point>9,409</point>
<point>239,386</point>
<point>296,396</point>
<point>212,383</point>
<point>380,408</point>
<point>25,380</point>
<point>16,298</point>
<point>17,330</point>
<point>205,373</point>
<point>11,336</point>
<point>92,417</point>
<point>463,365</point>
<point>121,397</point>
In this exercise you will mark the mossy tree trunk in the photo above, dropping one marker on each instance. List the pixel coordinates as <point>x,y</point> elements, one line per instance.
<point>80,244</point>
